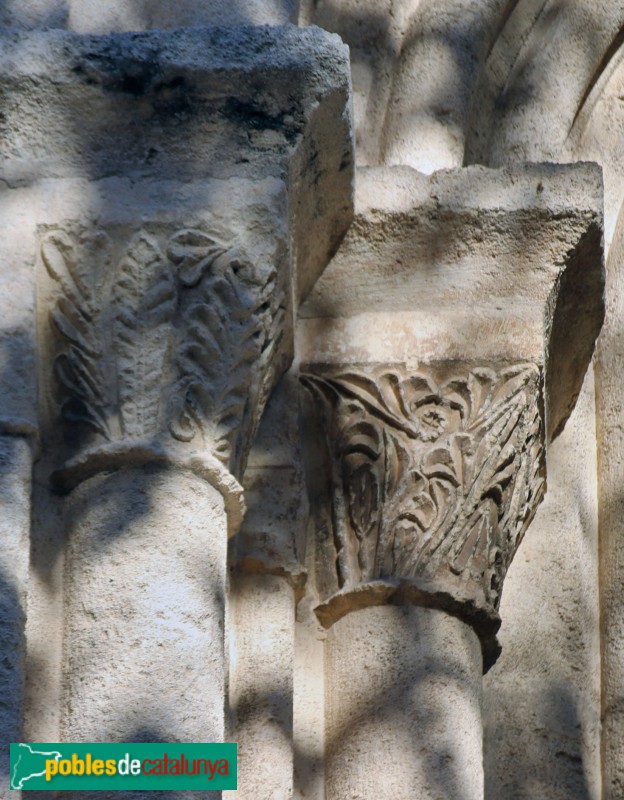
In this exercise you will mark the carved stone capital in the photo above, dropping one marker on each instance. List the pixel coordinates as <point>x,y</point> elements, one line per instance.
<point>163,343</point>
<point>435,476</point>
<point>180,192</point>
<point>438,349</point>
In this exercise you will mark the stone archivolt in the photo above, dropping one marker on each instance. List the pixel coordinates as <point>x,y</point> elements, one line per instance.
<point>432,482</point>
<point>193,333</point>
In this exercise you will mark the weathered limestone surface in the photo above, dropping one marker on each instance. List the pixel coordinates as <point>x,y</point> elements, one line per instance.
<point>309,710</point>
<point>18,446</point>
<point>393,676</point>
<point>147,364</point>
<point>414,67</point>
<point>125,406</point>
<point>433,482</point>
<point>550,90</point>
<point>609,360</point>
<point>69,101</point>
<point>437,84</point>
<point>542,697</point>
<point>261,622</point>
<point>44,624</point>
<point>15,493</point>
<point>17,339</point>
<point>538,80</point>
<point>426,462</point>
<point>383,359</point>
<point>492,221</point>
<point>596,134</point>
<point>272,536</point>
<point>266,559</point>
<point>90,16</point>
<point>178,195</point>
<point>145,593</point>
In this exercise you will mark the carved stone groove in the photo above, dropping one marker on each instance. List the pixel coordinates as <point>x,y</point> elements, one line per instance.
<point>194,331</point>
<point>434,482</point>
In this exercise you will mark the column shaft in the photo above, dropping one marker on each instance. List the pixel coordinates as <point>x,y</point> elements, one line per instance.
<point>145,585</point>
<point>403,707</point>
<point>261,629</point>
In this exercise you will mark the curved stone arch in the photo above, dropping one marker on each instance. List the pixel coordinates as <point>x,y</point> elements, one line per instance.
<point>414,66</point>
<point>438,84</point>
<point>596,130</point>
<point>542,72</point>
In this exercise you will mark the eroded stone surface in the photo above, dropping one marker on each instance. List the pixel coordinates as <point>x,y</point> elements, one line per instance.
<point>272,535</point>
<point>261,619</point>
<point>396,678</point>
<point>178,195</point>
<point>414,68</point>
<point>434,463</point>
<point>144,599</point>
<point>433,265</point>
<point>84,16</point>
<point>251,102</point>
<point>542,698</point>
<point>158,338</point>
<point>542,95</point>
<point>15,506</point>
<point>432,481</point>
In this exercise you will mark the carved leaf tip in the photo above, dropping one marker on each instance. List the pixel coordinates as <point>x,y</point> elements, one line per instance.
<point>194,253</point>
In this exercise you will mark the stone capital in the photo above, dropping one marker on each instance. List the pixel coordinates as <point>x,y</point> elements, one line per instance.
<point>437,364</point>
<point>174,235</point>
<point>435,476</point>
<point>162,344</point>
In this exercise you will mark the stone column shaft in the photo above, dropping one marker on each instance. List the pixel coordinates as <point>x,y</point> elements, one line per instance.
<point>610,437</point>
<point>396,676</point>
<point>261,636</point>
<point>145,588</point>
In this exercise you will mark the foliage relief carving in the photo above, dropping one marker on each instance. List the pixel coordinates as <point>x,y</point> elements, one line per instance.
<point>229,328</point>
<point>432,479</point>
<point>144,299</point>
<point>191,328</point>
<point>76,317</point>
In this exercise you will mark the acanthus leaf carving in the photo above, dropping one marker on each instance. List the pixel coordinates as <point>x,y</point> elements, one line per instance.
<point>144,301</point>
<point>174,338</point>
<point>230,323</point>
<point>194,253</point>
<point>432,479</point>
<point>220,345</point>
<point>76,317</point>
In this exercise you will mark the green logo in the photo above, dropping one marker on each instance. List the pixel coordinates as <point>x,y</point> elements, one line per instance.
<point>123,766</point>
